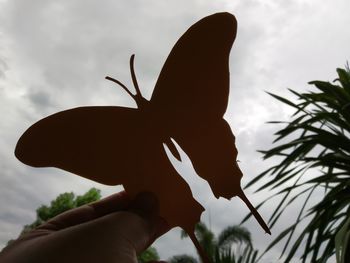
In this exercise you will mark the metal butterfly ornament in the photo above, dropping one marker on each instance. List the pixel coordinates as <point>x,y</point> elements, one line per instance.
<point>118,145</point>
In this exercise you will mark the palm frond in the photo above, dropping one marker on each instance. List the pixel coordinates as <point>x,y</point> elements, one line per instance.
<point>315,155</point>
<point>234,234</point>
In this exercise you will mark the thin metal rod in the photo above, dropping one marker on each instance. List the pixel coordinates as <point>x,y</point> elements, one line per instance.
<point>254,212</point>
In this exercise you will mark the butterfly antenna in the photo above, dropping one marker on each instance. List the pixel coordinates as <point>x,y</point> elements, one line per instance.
<point>140,101</point>
<point>121,85</point>
<point>133,76</point>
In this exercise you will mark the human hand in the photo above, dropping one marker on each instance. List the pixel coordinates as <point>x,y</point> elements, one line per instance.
<point>114,229</point>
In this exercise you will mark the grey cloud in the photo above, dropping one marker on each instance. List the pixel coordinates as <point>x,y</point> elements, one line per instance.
<point>69,41</point>
<point>61,51</point>
<point>3,68</point>
<point>40,100</point>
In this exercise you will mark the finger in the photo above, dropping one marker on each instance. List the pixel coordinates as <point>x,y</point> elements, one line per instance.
<point>122,234</point>
<point>122,228</point>
<point>113,203</point>
<point>137,223</point>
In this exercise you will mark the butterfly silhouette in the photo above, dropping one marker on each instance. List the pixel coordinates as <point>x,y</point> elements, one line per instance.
<point>118,145</point>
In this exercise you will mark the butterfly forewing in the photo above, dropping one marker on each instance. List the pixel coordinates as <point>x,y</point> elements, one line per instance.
<point>97,143</point>
<point>194,82</point>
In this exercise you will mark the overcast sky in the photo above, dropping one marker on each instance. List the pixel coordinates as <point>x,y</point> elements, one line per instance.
<point>54,55</point>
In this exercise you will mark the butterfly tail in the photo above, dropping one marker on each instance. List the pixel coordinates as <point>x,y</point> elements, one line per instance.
<point>254,212</point>
<point>203,255</point>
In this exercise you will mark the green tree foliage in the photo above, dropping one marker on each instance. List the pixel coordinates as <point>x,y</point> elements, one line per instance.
<point>150,254</point>
<point>314,152</point>
<point>233,245</point>
<point>62,203</point>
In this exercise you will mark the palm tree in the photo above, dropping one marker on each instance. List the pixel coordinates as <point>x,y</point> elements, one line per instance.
<point>315,155</point>
<point>232,245</point>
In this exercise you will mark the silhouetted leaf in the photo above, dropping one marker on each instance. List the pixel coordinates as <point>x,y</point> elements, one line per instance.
<point>317,139</point>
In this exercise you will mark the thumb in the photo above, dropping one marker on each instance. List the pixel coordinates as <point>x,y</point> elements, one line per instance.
<point>138,226</point>
<point>118,236</point>
<point>114,237</point>
<point>128,229</point>
<point>146,206</point>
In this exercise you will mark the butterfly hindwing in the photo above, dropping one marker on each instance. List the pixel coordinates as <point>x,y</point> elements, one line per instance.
<point>191,96</point>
